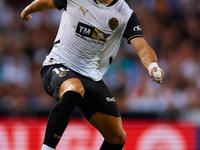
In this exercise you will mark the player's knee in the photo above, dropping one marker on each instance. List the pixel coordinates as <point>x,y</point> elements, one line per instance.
<point>121,137</point>
<point>77,88</point>
<point>118,138</point>
<point>72,85</point>
<point>80,89</point>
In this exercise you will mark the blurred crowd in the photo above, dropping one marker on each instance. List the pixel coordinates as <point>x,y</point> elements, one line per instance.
<point>172,29</point>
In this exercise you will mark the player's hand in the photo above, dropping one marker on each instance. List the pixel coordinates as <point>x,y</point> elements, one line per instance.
<point>157,75</point>
<point>25,16</point>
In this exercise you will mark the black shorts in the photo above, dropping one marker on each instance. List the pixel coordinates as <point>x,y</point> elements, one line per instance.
<point>97,96</point>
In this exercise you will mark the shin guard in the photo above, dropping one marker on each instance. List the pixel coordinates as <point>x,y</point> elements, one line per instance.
<point>107,146</point>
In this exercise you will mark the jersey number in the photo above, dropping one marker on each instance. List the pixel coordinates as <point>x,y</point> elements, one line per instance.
<point>59,70</point>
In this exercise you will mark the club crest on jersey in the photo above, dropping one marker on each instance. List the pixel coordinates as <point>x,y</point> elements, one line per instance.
<point>113,23</point>
<point>95,35</point>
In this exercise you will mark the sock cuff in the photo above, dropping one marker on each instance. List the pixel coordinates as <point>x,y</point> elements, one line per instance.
<point>72,95</point>
<point>109,146</point>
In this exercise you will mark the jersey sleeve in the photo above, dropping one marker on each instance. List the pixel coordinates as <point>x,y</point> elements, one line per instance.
<point>133,28</point>
<point>60,4</point>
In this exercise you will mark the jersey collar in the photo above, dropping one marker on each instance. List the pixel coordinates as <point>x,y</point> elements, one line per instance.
<point>112,3</point>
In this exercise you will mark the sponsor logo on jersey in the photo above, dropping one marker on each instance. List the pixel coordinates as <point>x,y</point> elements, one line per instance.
<point>110,99</point>
<point>84,31</point>
<point>113,23</point>
<point>137,28</point>
<point>84,11</point>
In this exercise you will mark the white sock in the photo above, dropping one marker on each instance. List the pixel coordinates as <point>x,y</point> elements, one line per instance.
<point>45,147</point>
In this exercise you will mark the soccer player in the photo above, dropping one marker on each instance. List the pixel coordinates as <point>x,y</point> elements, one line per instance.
<point>88,39</point>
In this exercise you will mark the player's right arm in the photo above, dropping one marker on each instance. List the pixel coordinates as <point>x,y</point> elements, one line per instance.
<point>36,6</point>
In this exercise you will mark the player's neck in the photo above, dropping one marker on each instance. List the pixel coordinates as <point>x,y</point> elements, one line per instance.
<point>105,1</point>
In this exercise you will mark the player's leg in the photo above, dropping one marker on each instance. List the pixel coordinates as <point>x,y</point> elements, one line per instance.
<point>69,93</point>
<point>100,109</point>
<point>111,129</point>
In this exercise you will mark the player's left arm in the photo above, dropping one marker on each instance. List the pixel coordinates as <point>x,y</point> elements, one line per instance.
<point>133,34</point>
<point>148,58</point>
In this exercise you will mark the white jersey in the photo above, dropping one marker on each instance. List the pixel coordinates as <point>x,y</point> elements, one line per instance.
<point>89,36</point>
